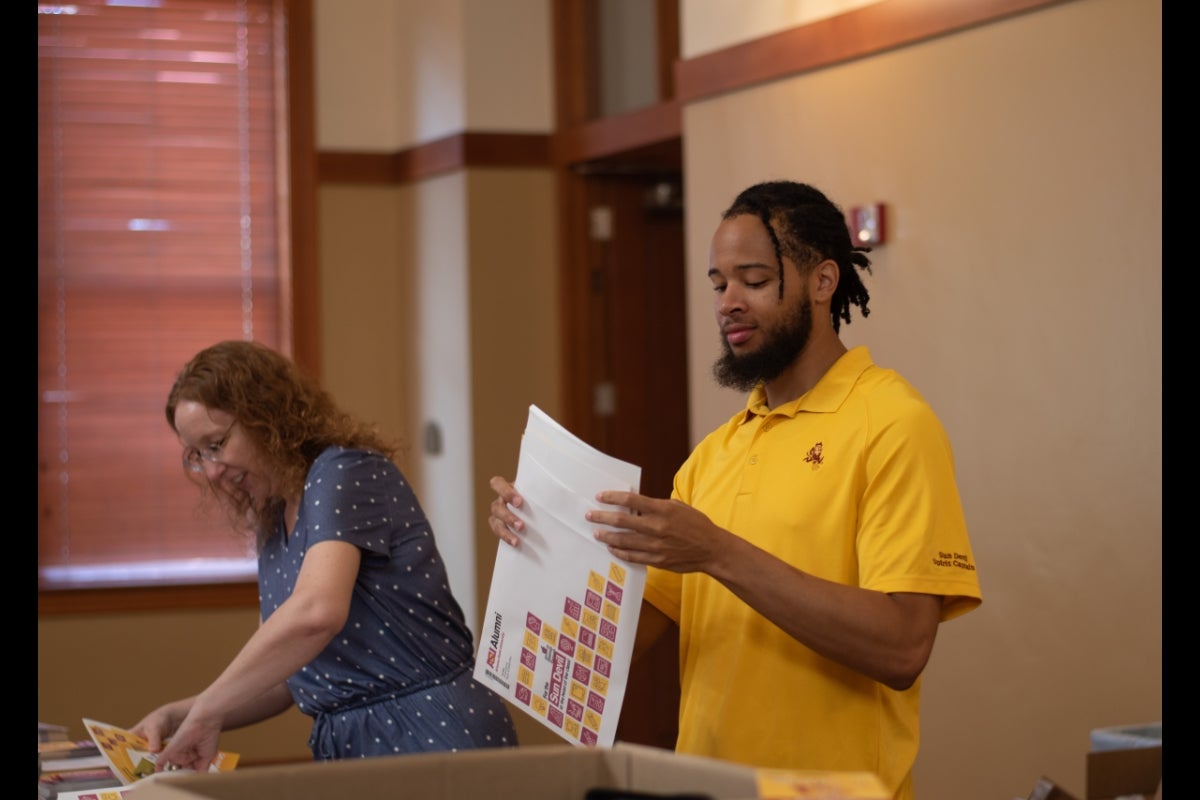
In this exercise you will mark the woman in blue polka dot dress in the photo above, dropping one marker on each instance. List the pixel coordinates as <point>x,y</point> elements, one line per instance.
<point>359,627</point>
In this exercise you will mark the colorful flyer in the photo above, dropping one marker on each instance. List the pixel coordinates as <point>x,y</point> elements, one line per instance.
<point>129,756</point>
<point>557,635</point>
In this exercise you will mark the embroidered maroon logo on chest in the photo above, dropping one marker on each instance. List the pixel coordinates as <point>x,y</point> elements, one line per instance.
<point>814,455</point>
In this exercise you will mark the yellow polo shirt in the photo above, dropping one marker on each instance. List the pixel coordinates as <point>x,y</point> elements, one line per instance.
<point>852,482</point>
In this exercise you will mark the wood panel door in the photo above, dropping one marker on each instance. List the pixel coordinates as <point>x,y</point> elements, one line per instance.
<point>636,393</point>
<point>628,367</point>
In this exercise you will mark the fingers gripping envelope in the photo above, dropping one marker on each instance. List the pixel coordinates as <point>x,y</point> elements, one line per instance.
<point>557,635</point>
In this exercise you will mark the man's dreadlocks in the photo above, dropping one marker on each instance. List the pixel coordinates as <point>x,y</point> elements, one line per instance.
<point>807,227</point>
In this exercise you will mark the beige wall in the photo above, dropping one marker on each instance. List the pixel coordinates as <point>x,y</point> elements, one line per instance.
<point>394,73</point>
<point>514,330</point>
<point>707,25</point>
<point>1020,291</point>
<point>118,667</point>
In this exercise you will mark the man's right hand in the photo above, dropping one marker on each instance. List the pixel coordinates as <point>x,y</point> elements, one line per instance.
<point>503,522</point>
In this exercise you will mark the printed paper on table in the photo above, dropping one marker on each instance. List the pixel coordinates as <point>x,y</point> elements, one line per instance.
<point>558,633</point>
<point>52,732</point>
<point>110,793</point>
<point>780,784</point>
<point>129,755</point>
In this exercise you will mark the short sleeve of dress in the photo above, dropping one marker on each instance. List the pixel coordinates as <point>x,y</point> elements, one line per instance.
<point>351,496</point>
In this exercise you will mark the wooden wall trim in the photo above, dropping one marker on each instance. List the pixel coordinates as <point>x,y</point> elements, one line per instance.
<point>506,150</point>
<point>854,34</point>
<point>591,140</point>
<point>301,241</point>
<point>448,154</point>
<point>666,16</point>
<point>610,136</point>
<point>335,166</point>
<point>147,598</point>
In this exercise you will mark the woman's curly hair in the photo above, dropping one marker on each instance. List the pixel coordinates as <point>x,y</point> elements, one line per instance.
<point>288,417</point>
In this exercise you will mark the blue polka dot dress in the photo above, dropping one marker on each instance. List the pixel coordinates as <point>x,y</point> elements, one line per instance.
<point>397,678</point>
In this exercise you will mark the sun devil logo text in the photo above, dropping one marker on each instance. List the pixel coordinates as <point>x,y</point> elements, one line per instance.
<point>494,642</point>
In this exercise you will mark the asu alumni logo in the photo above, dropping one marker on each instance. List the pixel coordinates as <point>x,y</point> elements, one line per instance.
<point>495,640</point>
<point>814,456</point>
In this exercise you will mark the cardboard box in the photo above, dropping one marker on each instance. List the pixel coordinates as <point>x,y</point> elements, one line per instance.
<point>1134,772</point>
<point>536,772</point>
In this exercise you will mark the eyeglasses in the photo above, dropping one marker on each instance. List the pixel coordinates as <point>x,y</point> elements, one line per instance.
<point>194,457</point>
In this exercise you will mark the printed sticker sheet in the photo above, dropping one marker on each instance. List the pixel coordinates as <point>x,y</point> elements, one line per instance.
<point>558,632</point>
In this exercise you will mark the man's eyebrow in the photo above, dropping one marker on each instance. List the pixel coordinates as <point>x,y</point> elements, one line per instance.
<point>743,268</point>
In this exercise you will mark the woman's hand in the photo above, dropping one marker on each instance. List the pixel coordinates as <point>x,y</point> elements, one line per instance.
<point>161,723</point>
<point>193,746</point>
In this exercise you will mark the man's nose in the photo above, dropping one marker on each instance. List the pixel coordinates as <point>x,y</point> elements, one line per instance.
<point>728,302</point>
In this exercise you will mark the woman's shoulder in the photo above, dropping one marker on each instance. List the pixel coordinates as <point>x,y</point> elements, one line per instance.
<point>337,458</point>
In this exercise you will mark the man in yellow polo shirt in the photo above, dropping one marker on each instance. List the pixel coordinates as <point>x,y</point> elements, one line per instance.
<point>812,544</point>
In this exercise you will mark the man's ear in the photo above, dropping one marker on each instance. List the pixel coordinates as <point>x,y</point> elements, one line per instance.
<point>823,281</point>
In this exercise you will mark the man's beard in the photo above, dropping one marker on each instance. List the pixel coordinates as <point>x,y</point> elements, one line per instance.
<point>782,347</point>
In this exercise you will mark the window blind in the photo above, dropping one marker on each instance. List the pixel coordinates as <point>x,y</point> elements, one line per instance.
<point>159,231</point>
